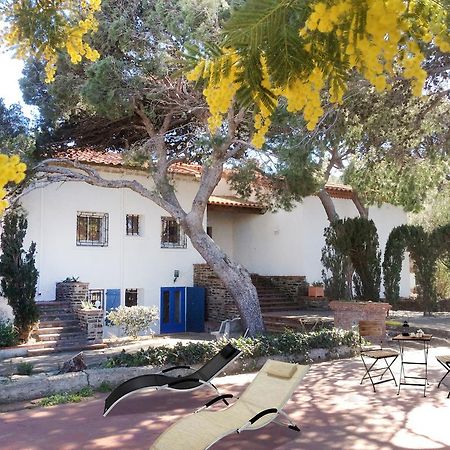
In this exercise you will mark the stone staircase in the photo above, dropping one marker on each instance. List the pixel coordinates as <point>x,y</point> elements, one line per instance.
<point>59,330</point>
<point>281,312</point>
<point>271,299</point>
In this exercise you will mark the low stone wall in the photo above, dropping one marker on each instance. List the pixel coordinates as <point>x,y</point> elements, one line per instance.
<point>319,303</point>
<point>219,303</point>
<point>348,314</point>
<point>73,292</point>
<point>91,321</point>
<point>292,286</point>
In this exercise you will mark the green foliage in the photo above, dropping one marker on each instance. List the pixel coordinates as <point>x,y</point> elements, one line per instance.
<point>15,137</point>
<point>403,181</point>
<point>288,343</point>
<point>104,387</point>
<point>336,266</point>
<point>140,43</point>
<point>19,273</point>
<point>9,337</point>
<point>357,238</point>
<point>66,397</point>
<point>425,249</point>
<point>24,368</point>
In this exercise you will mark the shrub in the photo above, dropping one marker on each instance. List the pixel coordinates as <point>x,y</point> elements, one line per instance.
<point>105,386</point>
<point>19,273</point>
<point>8,334</point>
<point>134,319</point>
<point>287,343</point>
<point>24,368</point>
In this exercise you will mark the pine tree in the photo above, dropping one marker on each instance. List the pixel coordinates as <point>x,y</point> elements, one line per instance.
<point>19,273</point>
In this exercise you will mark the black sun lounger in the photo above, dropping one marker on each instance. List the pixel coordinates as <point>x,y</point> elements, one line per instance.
<point>199,378</point>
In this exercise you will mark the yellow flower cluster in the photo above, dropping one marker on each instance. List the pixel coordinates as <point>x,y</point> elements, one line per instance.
<point>377,38</point>
<point>390,37</point>
<point>73,19</point>
<point>11,170</point>
<point>221,87</point>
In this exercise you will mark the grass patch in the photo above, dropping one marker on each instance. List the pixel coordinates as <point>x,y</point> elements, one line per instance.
<point>66,397</point>
<point>287,343</point>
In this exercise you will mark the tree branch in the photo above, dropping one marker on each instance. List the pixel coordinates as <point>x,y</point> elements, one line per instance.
<point>56,170</point>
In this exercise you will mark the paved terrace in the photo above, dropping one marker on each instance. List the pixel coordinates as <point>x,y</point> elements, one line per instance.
<point>333,410</point>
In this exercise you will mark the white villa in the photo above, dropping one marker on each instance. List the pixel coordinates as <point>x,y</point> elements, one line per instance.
<point>118,241</point>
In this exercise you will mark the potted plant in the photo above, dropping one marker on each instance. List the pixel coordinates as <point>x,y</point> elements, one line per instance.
<point>316,289</point>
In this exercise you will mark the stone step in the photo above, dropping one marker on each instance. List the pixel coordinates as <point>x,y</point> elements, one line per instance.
<point>274,303</point>
<point>58,323</point>
<point>52,303</point>
<point>55,330</point>
<point>50,308</point>
<point>78,335</point>
<point>62,316</point>
<point>277,308</point>
<point>68,348</point>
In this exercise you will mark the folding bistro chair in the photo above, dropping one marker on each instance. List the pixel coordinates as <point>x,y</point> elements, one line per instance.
<point>157,381</point>
<point>370,356</point>
<point>445,362</point>
<point>261,403</point>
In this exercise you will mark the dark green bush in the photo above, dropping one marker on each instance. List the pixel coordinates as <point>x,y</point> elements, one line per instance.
<point>8,334</point>
<point>24,368</point>
<point>288,343</point>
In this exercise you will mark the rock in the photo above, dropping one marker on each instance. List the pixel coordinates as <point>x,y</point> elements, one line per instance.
<point>74,364</point>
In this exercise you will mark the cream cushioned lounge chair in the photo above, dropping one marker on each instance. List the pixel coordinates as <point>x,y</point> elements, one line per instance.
<point>261,403</point>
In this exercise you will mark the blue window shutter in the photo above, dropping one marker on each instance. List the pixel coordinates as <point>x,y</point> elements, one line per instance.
<point>112,301</point>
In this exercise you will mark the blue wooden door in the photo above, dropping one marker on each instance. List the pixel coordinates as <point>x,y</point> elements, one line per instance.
<point>112,301</point>
<point>195,309</point>
<point>172,310</point>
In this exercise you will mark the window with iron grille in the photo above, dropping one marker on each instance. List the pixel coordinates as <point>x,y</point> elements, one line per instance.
<point>132,225</point>
<point>92,229</point>
<point>131,297</point>
<point>96,297</point>
<point>172,235</point>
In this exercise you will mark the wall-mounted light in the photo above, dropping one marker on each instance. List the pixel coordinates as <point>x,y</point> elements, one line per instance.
<point>176,275</point>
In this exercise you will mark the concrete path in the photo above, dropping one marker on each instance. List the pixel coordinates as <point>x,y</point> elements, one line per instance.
<point>333,410</point>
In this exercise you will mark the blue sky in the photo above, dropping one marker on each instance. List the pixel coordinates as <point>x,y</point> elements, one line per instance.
<point>9,86</point>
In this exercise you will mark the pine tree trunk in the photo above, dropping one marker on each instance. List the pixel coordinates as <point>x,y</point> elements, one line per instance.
<point>236,278</point>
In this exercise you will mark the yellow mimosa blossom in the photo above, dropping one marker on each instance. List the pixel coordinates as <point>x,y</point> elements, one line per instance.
<point>73,20</point>
<point>11,171</point>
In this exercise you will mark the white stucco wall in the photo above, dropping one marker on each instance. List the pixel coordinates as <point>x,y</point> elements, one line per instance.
<point>5,310</point>
<point>127,262</point>
<point>222,224</point>
<point>282,243</point>
<point>290,243</point>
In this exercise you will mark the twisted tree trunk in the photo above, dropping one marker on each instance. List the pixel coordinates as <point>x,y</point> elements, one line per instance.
<point>234,276</point>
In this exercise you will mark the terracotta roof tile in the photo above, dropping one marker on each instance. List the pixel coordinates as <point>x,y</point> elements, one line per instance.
<point>110,158</point>
<point>232,202</point>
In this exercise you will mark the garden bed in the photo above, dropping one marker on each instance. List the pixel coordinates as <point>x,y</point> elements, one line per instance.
<point>301,348</point>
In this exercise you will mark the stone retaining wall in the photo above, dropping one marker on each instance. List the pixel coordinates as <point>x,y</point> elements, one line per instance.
<point>91,320</point>
<point>293,286</point>
<point>219,303</point>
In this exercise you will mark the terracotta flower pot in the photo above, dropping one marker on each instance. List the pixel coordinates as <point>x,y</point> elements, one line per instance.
<point>315,291</point>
